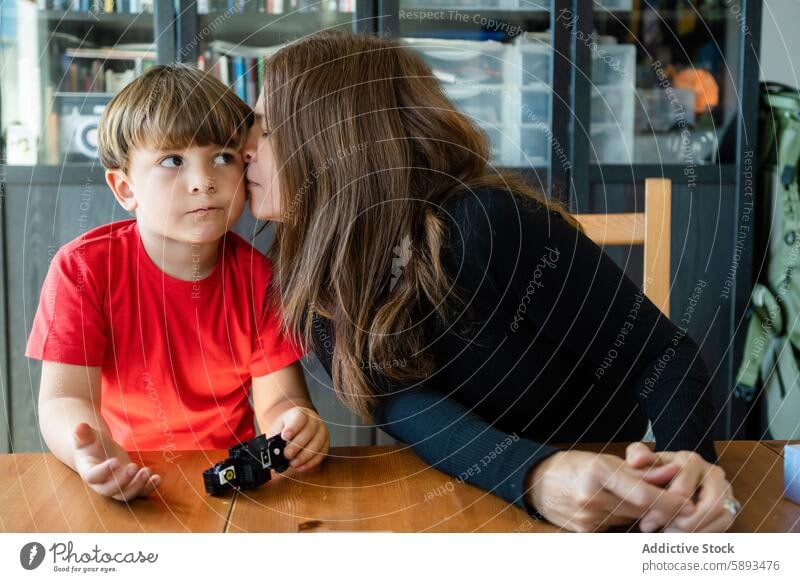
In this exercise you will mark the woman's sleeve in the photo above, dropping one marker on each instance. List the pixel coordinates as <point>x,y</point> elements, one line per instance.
<point>554,277</point>
<point>447,435</point>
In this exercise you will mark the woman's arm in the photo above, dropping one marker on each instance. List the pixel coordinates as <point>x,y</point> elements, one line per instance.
<point>460,443</point>
<point>449,436</point>
<point>446,434</point>
<point>581,491</point>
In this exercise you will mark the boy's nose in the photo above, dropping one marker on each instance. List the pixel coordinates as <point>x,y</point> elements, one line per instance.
<point>204,184</point>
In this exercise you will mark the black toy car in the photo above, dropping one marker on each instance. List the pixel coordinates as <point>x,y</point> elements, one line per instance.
<point>248,465</point>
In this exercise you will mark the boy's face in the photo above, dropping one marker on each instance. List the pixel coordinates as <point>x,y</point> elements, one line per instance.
<point>192,195</point>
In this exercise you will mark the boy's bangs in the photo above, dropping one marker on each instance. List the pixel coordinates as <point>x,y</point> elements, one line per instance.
<point>194,121</point>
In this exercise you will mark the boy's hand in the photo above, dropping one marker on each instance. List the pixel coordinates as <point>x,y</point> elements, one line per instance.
<point>307,436</point>
<point>110,472</point>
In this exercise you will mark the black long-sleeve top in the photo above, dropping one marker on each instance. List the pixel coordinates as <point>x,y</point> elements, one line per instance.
<point>553,344</point>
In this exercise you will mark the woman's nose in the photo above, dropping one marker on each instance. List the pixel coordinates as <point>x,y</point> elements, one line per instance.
<point>250,146</point>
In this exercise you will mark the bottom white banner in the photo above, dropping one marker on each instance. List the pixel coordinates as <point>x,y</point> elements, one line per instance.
<point>401,557</point>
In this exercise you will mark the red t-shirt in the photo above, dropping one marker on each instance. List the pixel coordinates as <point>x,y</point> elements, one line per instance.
<point>177,356</point>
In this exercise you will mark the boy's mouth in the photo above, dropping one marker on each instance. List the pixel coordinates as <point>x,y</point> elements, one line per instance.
<point>205,210</point>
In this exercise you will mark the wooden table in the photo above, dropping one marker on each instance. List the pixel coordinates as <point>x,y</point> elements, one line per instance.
<point>357,489</point>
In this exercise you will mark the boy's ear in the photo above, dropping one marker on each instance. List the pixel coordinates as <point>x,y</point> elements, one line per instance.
<point>120,186</point>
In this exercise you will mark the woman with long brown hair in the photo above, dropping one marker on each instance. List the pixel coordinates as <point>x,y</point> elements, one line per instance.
<point>463,312</point>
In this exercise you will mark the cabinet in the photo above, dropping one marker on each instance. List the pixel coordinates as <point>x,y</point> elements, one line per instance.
<point>586,99</point>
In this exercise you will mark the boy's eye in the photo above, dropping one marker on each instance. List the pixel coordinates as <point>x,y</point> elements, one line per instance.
<point>171,162</point>
<point>224,158</point>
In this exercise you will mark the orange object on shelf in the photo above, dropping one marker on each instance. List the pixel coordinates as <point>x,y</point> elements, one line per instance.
<point>703,84</point>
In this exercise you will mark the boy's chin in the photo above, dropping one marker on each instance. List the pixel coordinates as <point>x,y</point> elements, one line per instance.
<point>207,233</point>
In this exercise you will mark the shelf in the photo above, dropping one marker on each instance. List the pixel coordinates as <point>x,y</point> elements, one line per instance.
<point>455,14</point>
<point>247,28</point>
<point>703,174</point>
<point>82,94</point>
<point>89,28</point>
<point>78,15</point>
<point>114,20</point>
<point>666,15</point>
<point>47,174</point>
<point>474,24</point>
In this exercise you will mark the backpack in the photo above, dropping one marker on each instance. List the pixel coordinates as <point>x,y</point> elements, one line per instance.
<point>769,367</point>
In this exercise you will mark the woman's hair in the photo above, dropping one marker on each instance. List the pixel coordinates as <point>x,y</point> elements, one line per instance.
<point>367,148</point>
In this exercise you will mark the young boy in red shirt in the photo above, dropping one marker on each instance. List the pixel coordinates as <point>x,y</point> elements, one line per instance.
<point>152,331</point>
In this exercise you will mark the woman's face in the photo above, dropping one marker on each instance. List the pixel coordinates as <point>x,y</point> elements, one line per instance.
<point>262,172</point>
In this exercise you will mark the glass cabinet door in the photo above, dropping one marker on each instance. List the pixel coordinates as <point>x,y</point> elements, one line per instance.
<point>233,37</point>
<point>494,59</point>
<point>662,81</point>
<point>61,62</point>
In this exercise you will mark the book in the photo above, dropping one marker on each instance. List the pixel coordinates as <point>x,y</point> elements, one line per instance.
<point>86,70</point>
<point>238,66</point>
<point>238,78</point>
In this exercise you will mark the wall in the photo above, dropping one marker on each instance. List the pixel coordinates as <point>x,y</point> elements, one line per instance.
<point>780,45</point>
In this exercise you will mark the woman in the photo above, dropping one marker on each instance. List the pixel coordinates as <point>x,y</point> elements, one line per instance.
<point>464,313</point>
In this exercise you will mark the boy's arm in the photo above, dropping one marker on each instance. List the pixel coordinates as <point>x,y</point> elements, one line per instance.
<point>68,396</point>
<point>278,392</point>
<point>75,432</point>
<point>282,405</point>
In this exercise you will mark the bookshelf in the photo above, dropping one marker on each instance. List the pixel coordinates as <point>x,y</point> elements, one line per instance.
<point>63,60</point>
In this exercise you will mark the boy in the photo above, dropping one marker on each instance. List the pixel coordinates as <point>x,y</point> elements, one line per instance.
<point>152,330</point>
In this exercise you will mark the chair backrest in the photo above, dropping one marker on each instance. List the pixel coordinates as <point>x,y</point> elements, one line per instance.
<point>650,228</point>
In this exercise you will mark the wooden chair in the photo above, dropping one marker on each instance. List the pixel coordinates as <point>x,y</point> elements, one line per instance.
<point>650,228</point>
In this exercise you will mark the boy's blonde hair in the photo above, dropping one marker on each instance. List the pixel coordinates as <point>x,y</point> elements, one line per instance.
<point>171,107</point>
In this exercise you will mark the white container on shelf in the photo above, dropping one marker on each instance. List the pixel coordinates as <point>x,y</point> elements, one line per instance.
<point>466,61</point>
<point>534,105</point>
<point>613,64</point>
<point>534,63</point>
<point>659,110</point>
<point>611,144</point>
<point>530,5</point>
<point>612,5</point>
<point>488,107</point>
<point>613,104</point>
<point>534,145</point>
<point>484,104</point>
<point>503,140</point>
<point>695,147</point>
